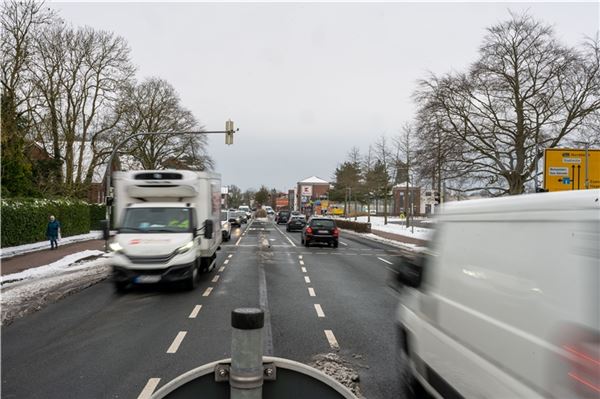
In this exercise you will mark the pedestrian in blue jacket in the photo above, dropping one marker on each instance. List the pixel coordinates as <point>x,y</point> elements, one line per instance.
<point>53,232</point>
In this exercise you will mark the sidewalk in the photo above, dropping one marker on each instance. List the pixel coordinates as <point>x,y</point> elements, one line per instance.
<point>29,260</point>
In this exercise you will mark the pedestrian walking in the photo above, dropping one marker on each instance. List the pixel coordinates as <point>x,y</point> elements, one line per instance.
<point>53,232</point>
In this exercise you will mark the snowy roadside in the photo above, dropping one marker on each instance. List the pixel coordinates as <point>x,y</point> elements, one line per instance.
<point>394,243</point>
<point>420,233</point>
<point>9,252</point>
<point>32,289</point>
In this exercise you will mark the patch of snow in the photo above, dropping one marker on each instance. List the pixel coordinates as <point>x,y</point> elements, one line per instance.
<point>394,243</point>
<point>9,252</point>
<point>377,223</point>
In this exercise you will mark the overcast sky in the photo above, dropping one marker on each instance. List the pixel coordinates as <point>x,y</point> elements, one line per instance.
<point>306,82</point>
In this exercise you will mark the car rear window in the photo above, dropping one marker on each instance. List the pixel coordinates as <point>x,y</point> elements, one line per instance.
<point>326,223</point>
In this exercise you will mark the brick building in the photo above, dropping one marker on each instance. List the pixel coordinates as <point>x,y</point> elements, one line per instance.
<point>310,190</point>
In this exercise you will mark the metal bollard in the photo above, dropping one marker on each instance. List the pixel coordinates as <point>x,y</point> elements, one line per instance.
<point>246,371</point>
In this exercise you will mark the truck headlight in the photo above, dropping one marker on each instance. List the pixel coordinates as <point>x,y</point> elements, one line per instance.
<point>185,247</point>
<point>115,247</point>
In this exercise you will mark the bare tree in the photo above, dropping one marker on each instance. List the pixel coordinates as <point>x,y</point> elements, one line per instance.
<point>526,92</point>
<point>154,106</point>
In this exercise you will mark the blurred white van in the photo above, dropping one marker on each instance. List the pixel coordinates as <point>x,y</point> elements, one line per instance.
<point>505,303</point>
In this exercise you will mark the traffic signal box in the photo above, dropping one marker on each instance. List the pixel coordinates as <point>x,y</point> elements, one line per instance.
<point>565,169</point>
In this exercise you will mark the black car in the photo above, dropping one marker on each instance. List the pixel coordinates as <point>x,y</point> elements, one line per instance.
<point>282,217</point>
<point>321,230</point>
<point>295,222</point>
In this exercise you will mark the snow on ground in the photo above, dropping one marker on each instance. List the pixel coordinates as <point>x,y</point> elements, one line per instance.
<point>419,233</point>
<point>32,289</point>
<point>374,237</point>
<point>37,246</point>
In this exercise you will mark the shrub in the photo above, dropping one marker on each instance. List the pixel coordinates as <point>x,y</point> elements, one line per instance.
<point>97,213</point>
<point>24,220</point>
<point>356,226</point>
<point>260,213</point>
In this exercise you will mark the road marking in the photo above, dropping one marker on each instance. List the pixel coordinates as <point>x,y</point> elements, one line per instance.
<point>319,310</point>
<point>303,269</point>
<point>299,256</point>
<point>301,262</point>
<point>195,312</point>
<point>230,255</point>
<point>215,279</point>
<point>343,243</point>
<point>226,261</point>
<point>385,260</point>
<point>307,279</point>
<point>208,291</point>
<point>149,388</point>
<point>221,269</point>
<point>332,341</point>
<point>238,241</point>
<point>311,291</point>
<point>176,342</point>
<point>285,235</point>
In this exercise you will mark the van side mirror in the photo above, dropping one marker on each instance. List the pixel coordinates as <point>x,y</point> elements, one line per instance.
<point>105,231</point>
<point>410,270</point>
<point>208,228</point>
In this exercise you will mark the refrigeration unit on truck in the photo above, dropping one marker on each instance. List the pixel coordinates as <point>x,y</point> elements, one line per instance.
<point>167,226</point>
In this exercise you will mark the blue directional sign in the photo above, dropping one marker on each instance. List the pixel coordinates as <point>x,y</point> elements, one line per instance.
<point>566,180</point>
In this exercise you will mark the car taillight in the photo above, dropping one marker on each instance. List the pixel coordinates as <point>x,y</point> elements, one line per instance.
<point>335,232</point>
<point>308,230</point>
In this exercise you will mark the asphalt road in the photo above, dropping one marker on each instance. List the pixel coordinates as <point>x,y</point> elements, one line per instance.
<point>97,344</point>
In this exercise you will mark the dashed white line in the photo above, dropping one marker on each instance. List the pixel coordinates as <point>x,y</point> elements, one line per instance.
<point>195,312</point>
<point>319,310</point>
<point>343,243</point>
<point>299,256</point>
<point>226,261</point>
<point>176,342</point>
<point>221,269</point>
<point>149,388</point>
<point>238,241</point>
<point>303,269</point>
<point>230,255</point>
<point>302,262</point>
<point>385,260</point>
<point>332,341</point>
<point>307,279</point>
<point>311,291</point>
<point>208,291</point>
<point>215,279</point>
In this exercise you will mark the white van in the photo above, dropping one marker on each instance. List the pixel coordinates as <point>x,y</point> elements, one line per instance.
<point>506,301</point>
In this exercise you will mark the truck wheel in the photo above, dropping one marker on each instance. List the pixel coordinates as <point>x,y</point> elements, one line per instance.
<point>192,281</point>
<point>121,287</point>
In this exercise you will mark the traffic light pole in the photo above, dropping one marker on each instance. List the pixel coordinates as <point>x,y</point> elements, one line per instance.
<point>107,175</point>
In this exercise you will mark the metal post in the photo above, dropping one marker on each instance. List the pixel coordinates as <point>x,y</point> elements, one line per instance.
<point>246,373</point>
<point>587,181</point>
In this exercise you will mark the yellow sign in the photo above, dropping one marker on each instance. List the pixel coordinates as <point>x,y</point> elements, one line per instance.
<point>565,169</point>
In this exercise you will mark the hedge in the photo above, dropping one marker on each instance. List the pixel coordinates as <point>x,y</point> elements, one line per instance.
<point>356,226</point>
<point>24,220</point>
<point>97,213</point>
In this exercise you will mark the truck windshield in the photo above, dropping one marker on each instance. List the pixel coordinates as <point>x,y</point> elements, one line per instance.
<point>157,220</point>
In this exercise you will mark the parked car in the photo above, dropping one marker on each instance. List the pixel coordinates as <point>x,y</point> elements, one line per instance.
<point>282,217</point>
<point>225,226</point>
<point>320,229</point>
<point>295,222</point>
<point>234,218</point>
<point>504,304</point>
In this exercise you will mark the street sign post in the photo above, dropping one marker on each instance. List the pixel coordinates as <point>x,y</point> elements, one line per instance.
<point>571,169</point>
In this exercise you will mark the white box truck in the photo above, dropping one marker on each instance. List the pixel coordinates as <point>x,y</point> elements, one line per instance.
<point>167,225</point>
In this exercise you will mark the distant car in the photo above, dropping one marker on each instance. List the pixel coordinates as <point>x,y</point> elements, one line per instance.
<point>295,222</point>
<point>234,219</point>
<point>269,210</point>
<point>372,212</point>
<point>225,226</point>
<point>282,217</point>
<point>246,209</point>
<point>320,230</point>
<point>242,215</point>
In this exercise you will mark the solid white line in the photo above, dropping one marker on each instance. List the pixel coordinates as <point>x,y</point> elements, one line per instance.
<point>319,310</point>
<point>195,312</point>
<point>230,255</point>
<point>215,279</point>
<point>226,261</point>
<point>311,291</point>
<point>221,269</point>
<point>303,269</point>
<point>208,291</point>
<point>343,243</point>
<point>176,342</point>
<point>301,262</point>
<point>307,279</point>
<point>385,260</point>
<point>285,235</point>
<point>331,338</point>
<point>149,388</point>
<point>238,241</point>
